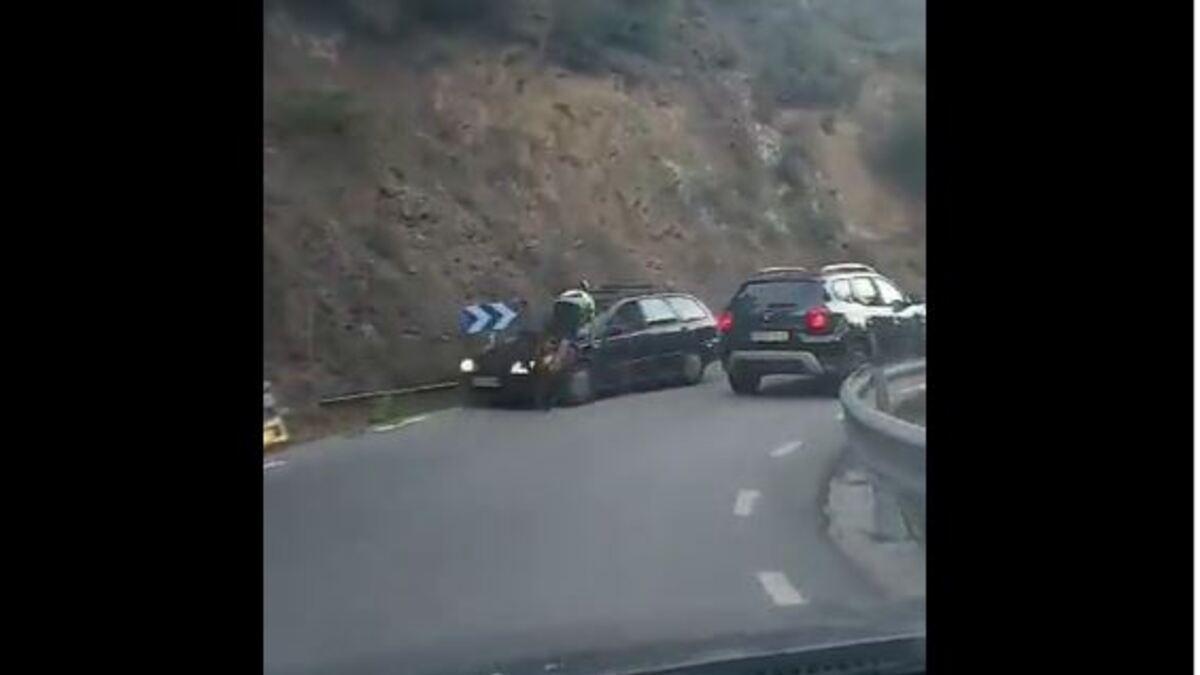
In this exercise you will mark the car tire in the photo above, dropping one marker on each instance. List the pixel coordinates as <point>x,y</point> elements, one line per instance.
<point>858,354</point>
<point>743,384</point>
<point>578,386</point>
<point>692,369</point>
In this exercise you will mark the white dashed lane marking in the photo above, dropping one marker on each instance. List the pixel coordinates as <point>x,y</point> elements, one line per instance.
<point>744,504</point>
<point>841,416</point>
<point>273,464</point>
<point>782,592</point>
<point>787,449</point>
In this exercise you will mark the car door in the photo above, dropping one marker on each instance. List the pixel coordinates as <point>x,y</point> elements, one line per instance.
<point>699,327</point>
<point>904,323</point>
<point>617,346</point>
<point>661,344</point>
<point>867,297</point>
<point>890,296</point>
<point>900,303</point>
<point>839,291</point>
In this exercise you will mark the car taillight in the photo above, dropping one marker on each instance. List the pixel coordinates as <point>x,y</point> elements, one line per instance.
<point>817,320</point>
<point>725,322</point>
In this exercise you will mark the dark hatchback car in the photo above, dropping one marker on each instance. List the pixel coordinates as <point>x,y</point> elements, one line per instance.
<point>636,340</point>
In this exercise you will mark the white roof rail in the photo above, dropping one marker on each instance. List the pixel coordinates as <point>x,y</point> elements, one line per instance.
<point>768,270</point>
<point>847,267</point>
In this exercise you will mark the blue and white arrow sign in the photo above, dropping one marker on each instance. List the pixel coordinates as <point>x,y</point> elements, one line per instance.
<point>485,316</point>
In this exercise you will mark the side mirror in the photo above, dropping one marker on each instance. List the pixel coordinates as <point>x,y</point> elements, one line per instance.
<point>613,331</point>
<point>916,300</point>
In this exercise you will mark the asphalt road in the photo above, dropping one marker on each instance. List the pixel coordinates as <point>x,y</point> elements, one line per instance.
<point>481,537</point>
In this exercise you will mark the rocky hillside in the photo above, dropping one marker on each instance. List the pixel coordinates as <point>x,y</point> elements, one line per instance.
<point>419,155</point>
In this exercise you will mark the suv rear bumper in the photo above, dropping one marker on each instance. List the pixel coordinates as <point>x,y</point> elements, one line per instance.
<point>776,361</point>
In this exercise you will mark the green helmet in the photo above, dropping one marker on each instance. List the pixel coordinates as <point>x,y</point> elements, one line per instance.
<point>583,300</point>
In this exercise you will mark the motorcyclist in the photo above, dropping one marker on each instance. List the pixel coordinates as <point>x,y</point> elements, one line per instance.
<point>557,352</point>
<point>584,296</point>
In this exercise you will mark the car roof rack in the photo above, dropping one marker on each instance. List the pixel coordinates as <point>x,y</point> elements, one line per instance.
<point>781,273</point>
<point>847,267</point>
<point>607,295</point>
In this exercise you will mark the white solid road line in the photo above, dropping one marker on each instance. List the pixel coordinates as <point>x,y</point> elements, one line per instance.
<point>400,424</point>
<point>273,464</point>
<point>744,504</point>
<point>782,592</point>
<point>787,449</point>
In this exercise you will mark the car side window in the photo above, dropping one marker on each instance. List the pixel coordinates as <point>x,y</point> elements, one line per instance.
<point>686,308</point>
<point>657,310</point>
<point>628,317</point>
<point>864,291</point>
<point>841,290</point>
<point>888,293</point>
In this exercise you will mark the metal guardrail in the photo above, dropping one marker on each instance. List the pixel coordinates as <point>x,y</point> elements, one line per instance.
<point>892,448</point>
<point>346,398</point>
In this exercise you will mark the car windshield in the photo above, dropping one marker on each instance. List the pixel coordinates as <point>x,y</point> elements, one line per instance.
<point>449,188</point>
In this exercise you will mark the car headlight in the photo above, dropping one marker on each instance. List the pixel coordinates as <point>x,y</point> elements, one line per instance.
<point>519,368</point>
<point>467,365</point>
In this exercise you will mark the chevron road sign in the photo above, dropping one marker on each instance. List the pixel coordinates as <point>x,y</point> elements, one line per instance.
<point>494,316</point>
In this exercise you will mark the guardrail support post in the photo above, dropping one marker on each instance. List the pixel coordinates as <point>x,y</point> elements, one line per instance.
<point>883,399</point>
<point>876,357</point>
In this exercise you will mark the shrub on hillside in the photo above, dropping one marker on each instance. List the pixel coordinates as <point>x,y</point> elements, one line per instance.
<point>392,18</point>
<point>799,59</point>
<point>823,228</point>
<point>878,21</point>
<point>582,29</point>
<point>488,14</point>
<point>313,113</point>
<point>726,55</point>
<point>900,154</point>
<point>805,70</point>
<point>911,57</point>
<point>793,166</point>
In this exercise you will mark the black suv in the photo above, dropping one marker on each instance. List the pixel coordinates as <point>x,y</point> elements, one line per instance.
<point>638,338</point>
<point>787,320</point>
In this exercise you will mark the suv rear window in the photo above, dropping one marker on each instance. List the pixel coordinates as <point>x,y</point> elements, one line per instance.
<point>758,295</point>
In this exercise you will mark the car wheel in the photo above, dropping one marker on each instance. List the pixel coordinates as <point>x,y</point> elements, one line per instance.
<point>744,384</point>
<point>858,354</point>
<point>579,386</point>
<point>693,369</point>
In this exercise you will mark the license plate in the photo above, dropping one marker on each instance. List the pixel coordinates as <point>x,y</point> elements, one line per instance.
<point>485,382</point>
<point>769,336</point>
